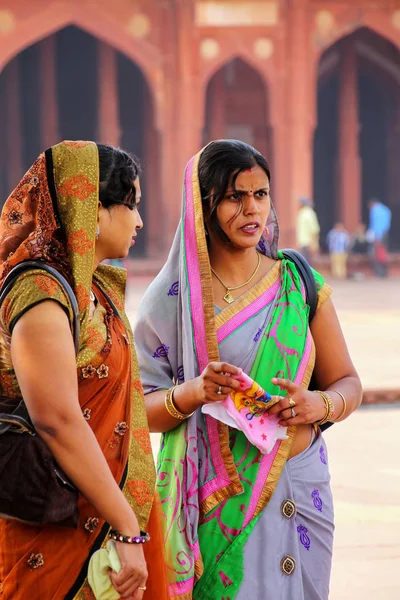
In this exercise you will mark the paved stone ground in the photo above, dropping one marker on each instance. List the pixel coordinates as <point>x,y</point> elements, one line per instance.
<point>363,451</point>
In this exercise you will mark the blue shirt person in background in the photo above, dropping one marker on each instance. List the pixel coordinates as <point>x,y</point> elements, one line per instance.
<point>380,217</point>
<point>338,241</point>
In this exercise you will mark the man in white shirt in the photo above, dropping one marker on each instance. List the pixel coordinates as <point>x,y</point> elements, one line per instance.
<point>307,229</point>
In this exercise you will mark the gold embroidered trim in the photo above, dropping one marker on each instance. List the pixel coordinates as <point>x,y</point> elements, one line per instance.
<point>234,487</point>
<point>285,446</point>
<point>250,296</point>
<point>323,294</point>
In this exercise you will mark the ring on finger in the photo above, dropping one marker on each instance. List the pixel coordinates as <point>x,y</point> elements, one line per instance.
<point>294,415</point>
<point>219,391</point>
<point>143,588</point>
<point>292,403</point>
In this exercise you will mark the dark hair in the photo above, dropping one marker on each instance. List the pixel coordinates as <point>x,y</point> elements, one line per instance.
<point>219,166</point>
<point>118,171</point>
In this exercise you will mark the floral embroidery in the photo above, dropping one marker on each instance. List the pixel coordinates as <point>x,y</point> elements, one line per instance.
<point>34,181</point>
<point>262,246</point>
<point>95,340</point>
<point>304,539</point>
<point>139,490</point>
<point>115,299</point>
<point>82,297</point>
<point>78,186</point>
<point>14,217</point>
<point>35,561</point>
<point>161,352</point>
<point>102,371</point>
<point>173,290</point>
<point>181,374</point>
<point>121,428</point>
<point>91,523</point>
<point>79,242</point>
<point>317,500</point>
<point>88,372</point>
<point>87,413</point>
<point>46,284</point>
<point>322,455</point>
<point>143,438</point>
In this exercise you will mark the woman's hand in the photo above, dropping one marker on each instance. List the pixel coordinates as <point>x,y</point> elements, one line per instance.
<point>215,383</point>
<point>133,574</point>
<point>309,407</point>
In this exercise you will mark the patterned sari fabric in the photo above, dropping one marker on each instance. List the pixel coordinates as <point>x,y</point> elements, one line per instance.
<point>51,216</point>
<point>216,487</point>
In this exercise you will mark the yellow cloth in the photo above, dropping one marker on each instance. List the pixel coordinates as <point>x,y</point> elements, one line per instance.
<point>98,575</point>
<point>307,228</point>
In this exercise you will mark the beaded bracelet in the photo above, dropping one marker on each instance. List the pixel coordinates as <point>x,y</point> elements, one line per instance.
<point>329,406</point>
<point>143,538</point>
<point>171,408</point>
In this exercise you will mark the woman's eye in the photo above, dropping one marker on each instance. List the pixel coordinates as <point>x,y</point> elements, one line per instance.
<point>262,194</point>
<point>235,197</point>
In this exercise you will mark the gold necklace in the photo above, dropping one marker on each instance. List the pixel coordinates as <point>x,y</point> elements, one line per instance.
<point>228,296</point>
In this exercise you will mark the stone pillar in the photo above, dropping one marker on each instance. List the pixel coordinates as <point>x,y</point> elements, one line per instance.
<point>48,87</point>
<point>302,116</point>
<point>349,166</point>
<point>14,137</point>
<point>108,128</point>
<point>393,162</point>
<point>216,124</point>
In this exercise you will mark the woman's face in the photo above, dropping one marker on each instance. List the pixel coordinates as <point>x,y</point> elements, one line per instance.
<point>243,213</point>
<point>118,227</point>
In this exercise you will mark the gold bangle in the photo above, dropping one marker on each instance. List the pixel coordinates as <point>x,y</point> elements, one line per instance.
<point>344,405</point>
<point>330,407</point>
<point>171,408</point>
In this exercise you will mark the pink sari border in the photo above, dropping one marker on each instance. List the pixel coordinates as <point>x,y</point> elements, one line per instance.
<point>304,360</point>
<point>263,472</point>
<point>193,269</point>
<point>181,587</point>
<point>221,476</point>
<point>252,309</point>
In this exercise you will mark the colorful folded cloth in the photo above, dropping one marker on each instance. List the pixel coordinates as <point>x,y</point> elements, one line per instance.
<point>100,565</point>
<point>245,409</point>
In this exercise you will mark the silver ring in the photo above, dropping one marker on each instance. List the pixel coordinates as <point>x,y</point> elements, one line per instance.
<point>219,392</point>
<point>293,414</point>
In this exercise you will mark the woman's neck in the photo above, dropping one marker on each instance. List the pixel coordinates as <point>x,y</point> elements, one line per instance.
<point>231,264</point>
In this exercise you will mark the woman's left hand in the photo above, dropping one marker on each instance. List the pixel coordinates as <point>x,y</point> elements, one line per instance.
<point>308,407</point>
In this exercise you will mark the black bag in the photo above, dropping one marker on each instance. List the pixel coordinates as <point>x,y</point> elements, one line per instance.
<point>33,488</point>
<point>310,286</point>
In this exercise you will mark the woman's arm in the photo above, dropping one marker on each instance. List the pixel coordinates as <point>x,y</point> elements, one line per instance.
<point>191,395</point>
<point>43,357</point>
<point>333,372</point>
<point>334,369</point>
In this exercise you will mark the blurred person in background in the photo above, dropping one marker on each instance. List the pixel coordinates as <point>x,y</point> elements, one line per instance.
<point>77,206</point>
<point>307,229</point>
<point>338,242</point>
<point>380,217</point>
<point>241,523</point>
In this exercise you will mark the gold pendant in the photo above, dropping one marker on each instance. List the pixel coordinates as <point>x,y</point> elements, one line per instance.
<point>229,298</point>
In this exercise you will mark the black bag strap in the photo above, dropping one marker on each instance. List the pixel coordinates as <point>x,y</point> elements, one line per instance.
<point>30,265</point>
<point>307,276</point>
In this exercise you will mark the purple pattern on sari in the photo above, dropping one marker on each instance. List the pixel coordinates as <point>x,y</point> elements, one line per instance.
<point>173,290</point>
<point>180,374</point>
<point>262,246</point>
<point>317,500</point>
<point>161,352</point>
<point>322,455</point>
<point>258,335</point>
<point>304,539</point>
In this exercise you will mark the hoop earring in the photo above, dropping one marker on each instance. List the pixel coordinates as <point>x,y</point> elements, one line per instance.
<point>266,230</point>
<point>97,232</point>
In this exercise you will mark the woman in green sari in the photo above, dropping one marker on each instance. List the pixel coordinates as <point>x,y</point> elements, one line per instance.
<point>241,523</point>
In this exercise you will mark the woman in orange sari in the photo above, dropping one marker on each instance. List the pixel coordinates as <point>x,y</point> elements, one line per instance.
<point>75,207</point>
